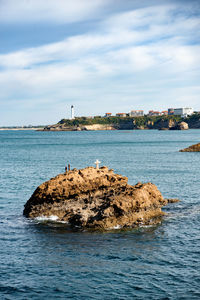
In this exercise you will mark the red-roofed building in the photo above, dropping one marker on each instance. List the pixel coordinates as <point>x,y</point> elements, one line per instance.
<point>154,113</point>
<point>108,114</point>
<point>121,115</point>
<point>164,112</point>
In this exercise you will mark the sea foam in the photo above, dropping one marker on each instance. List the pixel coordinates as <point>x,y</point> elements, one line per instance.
<point>45,218</point>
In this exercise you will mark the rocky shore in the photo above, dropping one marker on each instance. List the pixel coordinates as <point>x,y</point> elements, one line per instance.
<point>63,127</point>
<point>193,148</point>
<point>96,199</point>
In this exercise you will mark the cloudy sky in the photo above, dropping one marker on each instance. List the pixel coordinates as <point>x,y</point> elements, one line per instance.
<point>99,55</point>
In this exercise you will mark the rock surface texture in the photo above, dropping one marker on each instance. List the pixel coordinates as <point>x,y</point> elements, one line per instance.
<point>96,199</point>
<point>193,148</point>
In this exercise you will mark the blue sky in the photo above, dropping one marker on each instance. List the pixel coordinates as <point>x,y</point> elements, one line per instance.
<point>99,55</point>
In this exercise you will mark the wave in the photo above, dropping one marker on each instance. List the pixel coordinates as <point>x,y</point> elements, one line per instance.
<point>51,218</point>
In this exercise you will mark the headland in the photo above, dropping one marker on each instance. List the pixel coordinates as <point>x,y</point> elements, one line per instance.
<point>126,123</point>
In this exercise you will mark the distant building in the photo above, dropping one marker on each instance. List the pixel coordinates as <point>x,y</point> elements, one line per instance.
<point>107,115</point>
<point>170,111</point>
<point>150,112</point>
<point>123,115</point>
<point>154,113</point>
<point>183,111</point>
<point>136,113</point>
<point>164,113</point>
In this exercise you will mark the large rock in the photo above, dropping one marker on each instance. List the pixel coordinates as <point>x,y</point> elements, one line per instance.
<point>96,198</point>
<point>193,148</point>
<point>182,126</point>
<point>172,125</point>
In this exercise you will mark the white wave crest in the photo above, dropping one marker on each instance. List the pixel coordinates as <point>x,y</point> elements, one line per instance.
<point>45,218</point>
<point>115,227</point>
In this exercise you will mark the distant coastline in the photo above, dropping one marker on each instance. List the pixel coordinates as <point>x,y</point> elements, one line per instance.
<point>117,123</point>
<point>21,128</point>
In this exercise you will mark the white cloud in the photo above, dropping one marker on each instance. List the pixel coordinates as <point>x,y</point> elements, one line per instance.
<point>135,34</point>
<point>59,11</point>
<point>141,57</point>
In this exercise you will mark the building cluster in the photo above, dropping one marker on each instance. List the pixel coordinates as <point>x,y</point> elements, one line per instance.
<point>183,112</point>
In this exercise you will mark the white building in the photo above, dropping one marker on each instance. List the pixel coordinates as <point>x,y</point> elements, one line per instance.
<point>183,111</point>
<point>136,113</point>
<point>72,112</point>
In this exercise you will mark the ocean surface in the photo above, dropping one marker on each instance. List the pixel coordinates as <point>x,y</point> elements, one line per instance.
<point>41,260</point>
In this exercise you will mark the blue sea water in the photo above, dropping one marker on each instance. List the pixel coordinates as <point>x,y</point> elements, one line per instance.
<point>48,261</point>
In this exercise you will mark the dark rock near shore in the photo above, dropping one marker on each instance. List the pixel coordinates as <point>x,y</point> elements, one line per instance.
<point>96,199</point>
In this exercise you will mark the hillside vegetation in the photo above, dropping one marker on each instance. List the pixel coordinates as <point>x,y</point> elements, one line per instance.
<point>138,121</point>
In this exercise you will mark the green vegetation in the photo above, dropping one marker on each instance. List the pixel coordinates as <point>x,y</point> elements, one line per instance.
<point>138,121</point>
<point>95,120</point>
<point>194,117</point>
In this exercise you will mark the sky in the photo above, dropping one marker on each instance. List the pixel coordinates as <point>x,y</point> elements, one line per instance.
<point>98,55</point>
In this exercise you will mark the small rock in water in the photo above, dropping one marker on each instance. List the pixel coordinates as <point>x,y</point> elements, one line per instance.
<point>193,148</point>
<point>172,200</point>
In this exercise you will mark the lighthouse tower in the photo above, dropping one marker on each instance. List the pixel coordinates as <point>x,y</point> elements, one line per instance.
<point>72,112</point>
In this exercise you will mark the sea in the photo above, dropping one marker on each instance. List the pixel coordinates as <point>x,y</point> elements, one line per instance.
<point>42,259</point>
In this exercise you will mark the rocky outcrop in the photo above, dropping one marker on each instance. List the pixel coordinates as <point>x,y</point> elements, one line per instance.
<point>193,148</point>
<point>96,199</point>
<point>97,127</point>
<point>60,127</point>
<point>180,126</point>
<point>165,124</point>
<point>172,125</point>
<point>63,127</point>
